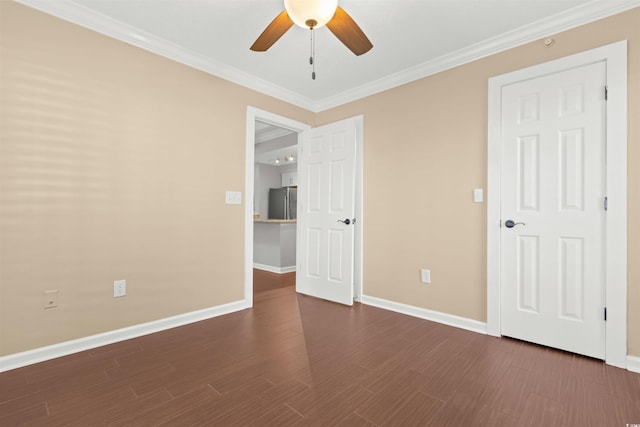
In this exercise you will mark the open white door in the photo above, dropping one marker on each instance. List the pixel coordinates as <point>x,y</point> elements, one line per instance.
<point>326,212</point>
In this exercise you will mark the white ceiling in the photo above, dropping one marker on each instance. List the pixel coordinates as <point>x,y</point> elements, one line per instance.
<point>411,38</point>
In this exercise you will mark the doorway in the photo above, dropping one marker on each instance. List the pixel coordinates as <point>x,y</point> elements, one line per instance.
<point>613,237</point>
<point>302,130</point>
<point>274,202</point>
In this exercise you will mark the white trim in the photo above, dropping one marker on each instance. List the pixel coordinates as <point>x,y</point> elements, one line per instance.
<point>571,18</point>
<point>88,18</point>
<point>81,15</point>
<point>254,114</point>
<point>41,354</point>
<point>616,218</point>
<point>615,56</point>
<point>423,313</point>
<point>633,364</point>
<point>271,135</point>
<point>273,269</point>
<point>358,265</point>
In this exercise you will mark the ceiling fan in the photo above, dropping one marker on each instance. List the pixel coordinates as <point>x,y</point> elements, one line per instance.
<point>313,14</point>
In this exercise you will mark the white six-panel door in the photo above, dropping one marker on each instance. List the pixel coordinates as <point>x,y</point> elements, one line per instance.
<point>326,203</point>
<point>553,183</point>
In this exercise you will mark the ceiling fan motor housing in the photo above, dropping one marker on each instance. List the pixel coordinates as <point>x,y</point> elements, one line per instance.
<point>311,13</point>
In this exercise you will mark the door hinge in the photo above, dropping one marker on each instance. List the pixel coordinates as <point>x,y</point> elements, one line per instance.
<point>606,203</point>
<point>606,93</point>
<point>605,314</point>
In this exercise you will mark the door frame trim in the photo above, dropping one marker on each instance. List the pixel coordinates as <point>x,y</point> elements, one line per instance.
<point>254,114</point>
<point>615,57</point>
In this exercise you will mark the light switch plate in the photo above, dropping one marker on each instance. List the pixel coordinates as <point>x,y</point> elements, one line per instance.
<point>425,276</point>
<point>119,288</point>
<point>478,195</point>
<point>233,198</point>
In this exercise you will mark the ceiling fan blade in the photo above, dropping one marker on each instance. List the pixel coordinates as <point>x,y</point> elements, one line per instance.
<point>348,32</point>
<point>273,32</point>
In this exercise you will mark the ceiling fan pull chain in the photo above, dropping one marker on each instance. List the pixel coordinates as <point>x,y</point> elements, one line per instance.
<point>311,46</point>
<point>312,57</point>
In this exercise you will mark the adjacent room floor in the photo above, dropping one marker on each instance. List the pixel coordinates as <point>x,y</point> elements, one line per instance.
<point>297,360</point>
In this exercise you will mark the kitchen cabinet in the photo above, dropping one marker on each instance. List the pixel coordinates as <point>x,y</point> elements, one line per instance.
<point>274,245</point>
<point>290,179</point>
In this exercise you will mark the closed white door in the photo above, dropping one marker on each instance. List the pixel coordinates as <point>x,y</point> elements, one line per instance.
<point>326,209</point>
<point>553,189</point>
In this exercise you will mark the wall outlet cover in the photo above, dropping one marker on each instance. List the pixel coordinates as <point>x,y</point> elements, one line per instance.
<point>50,299</point>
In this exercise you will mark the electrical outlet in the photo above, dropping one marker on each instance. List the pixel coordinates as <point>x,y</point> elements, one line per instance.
<point>119,288</point>
<point>425,276</point>
<point>51,299</point>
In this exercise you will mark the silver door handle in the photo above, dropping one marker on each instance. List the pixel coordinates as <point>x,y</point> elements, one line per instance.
<point>347,221</point>
<point>510,223</point>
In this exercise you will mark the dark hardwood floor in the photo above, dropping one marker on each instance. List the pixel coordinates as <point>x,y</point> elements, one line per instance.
<point>296,360</point>
<point>267,281</point>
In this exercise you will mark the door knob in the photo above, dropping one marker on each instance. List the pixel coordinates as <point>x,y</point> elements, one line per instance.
<point>510,223</point>
<point>347,221</point>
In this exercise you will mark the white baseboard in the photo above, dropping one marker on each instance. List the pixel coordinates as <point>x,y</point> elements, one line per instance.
<point>41,354</point>
<point>633,364</point>
<point>272,269</point>
<point>423,313</point>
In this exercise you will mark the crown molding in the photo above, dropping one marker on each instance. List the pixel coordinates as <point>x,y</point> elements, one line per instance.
<point>270,132</point>
<point>100,23</point>
<point>87,18</point>
<point>567,20</point>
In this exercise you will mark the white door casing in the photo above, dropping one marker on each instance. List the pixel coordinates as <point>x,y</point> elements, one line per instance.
<point>254,114</point>
<point>326,212</point>
<point>553,159</point>
<point>614,220</point>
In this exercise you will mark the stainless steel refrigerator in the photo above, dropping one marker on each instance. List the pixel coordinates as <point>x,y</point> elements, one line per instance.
<point>283,203</point>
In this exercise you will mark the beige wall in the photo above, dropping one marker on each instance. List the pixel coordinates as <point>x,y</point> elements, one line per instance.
<point>425,143</point>
<point>114,163</point>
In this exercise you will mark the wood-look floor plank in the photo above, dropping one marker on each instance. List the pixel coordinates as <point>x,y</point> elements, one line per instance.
<point>224,407</point>
<point>417,410</point>
<point>355,420</point>
<point>172,409</point>
<point>24,416</point>
<point>510,395</point>
<point>140,404</point>
<point>383,405</point>
<point>293,360</point>
<point>332,409</point>
<point>95,398</point>
<point>280,416</point>
<point>540,411</point>
<point>466,407</point>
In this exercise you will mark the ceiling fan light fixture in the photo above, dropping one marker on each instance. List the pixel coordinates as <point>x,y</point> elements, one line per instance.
<point>311,13</point>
